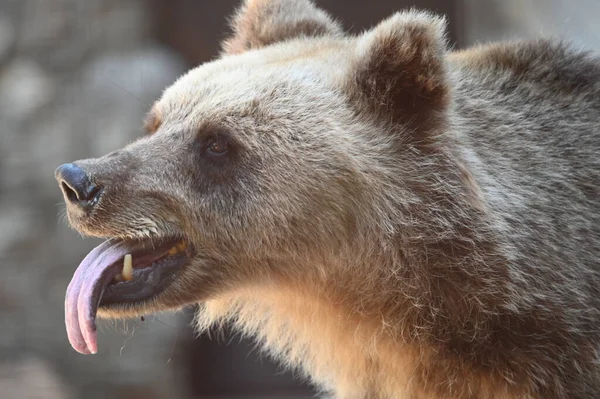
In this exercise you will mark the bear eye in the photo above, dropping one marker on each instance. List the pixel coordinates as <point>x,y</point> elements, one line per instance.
<point>218,146</point>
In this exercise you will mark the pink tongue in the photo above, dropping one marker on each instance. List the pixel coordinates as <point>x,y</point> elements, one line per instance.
<point>85,291</point>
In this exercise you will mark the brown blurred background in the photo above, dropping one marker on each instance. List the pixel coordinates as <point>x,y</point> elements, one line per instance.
<point>76,78</point>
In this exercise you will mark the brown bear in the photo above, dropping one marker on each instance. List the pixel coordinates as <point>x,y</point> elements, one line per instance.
<point>392,218</point>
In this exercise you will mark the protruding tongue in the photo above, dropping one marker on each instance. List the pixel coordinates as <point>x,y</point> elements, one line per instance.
<point>85,292</point>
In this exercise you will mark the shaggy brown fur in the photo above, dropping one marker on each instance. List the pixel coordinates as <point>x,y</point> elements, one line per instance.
<point>395,220</point>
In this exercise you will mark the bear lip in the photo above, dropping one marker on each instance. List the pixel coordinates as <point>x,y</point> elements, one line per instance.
<point>94,284</point>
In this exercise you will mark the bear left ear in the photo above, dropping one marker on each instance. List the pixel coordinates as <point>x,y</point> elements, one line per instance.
<point>259,23</point>
<point>400,70</point>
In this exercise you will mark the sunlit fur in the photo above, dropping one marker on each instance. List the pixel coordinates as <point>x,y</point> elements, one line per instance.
<point>394,220</point>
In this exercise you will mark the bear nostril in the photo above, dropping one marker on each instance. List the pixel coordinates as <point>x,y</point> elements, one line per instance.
<point>69,192</point>
<point>76,186</point>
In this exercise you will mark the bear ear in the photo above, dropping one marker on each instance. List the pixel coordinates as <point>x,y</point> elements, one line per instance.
<point>400,70</point>
<point>259,23</point>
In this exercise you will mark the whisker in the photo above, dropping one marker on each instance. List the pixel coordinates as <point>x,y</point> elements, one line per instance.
<point>124,90</point>
<point>133,330</point>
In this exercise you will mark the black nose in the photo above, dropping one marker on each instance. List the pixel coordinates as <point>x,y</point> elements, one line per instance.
<point>76,185</point>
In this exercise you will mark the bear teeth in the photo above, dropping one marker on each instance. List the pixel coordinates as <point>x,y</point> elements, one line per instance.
<point>127,273</point>
<point>177,248</point>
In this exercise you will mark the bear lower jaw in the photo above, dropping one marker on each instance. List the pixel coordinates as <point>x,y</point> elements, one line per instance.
<point>150,268</point>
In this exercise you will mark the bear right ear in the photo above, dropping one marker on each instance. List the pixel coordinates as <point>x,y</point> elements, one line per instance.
<point>399,71</point>
<point>259,23</point>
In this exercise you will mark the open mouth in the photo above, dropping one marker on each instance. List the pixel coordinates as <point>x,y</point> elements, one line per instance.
<point>119,272</point>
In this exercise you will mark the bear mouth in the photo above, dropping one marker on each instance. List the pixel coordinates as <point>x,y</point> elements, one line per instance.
<point>119,272</point>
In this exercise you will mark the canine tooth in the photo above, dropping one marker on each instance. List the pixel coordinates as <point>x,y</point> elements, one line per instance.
<point>127,268</point>
<point>181,246</point>
<point>173,251</point>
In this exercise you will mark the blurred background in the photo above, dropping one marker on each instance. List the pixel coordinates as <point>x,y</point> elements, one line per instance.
<point>76,78</point>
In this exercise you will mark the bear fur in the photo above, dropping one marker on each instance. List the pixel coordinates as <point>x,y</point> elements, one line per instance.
<point>392,218</point>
